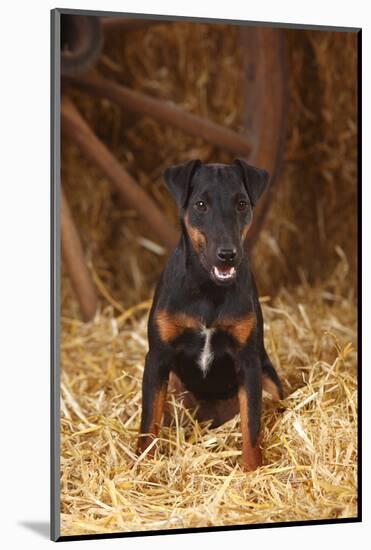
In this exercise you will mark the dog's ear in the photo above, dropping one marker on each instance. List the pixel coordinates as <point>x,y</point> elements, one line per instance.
<point>255,180</point>
<point>178,180</point>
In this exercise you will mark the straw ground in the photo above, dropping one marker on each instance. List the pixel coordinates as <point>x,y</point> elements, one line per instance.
<point>195,478</point>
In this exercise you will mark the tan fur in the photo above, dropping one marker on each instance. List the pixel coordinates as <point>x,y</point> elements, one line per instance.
<point>198,239</point>
<point>245,231</point>
<point>170,326</point>
<point>157,413</point>
<point>158,409</point>
<point>240,328</point>
<point>270,387</point>
<point>251,456</point>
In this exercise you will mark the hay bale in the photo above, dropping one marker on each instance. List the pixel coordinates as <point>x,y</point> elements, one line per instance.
<point>316,207</point>
<point>314,210</point>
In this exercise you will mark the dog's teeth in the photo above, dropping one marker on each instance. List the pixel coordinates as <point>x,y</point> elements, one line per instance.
<point>225,273</point>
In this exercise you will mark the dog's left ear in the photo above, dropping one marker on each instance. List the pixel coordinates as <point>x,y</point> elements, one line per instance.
<point>255,180</point>
<point>178,180</point>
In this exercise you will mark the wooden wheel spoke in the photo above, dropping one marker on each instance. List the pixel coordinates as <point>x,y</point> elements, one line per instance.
<point>78,131</point>
<point>166,112</point>
<point>74,259</point>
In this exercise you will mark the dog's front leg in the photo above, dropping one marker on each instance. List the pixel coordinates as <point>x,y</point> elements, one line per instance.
<point>250,402</point>
<point>154,390</point>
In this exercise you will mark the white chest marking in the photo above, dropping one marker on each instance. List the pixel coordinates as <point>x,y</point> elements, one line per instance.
<point>206,355</point>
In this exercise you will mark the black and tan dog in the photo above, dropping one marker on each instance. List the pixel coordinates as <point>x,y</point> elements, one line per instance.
<point>205,327</point>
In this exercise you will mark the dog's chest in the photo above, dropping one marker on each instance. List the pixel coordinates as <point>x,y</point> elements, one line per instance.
<point>202,342</point>
<point>206,355</point>
<point>203,348</point>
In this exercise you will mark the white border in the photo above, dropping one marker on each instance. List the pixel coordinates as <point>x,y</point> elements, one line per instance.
<point>24,219</point>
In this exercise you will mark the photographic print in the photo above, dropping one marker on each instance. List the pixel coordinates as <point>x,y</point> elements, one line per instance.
<point>205,193</point>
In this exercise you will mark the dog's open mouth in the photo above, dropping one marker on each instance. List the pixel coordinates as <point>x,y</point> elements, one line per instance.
<point>224,273</point>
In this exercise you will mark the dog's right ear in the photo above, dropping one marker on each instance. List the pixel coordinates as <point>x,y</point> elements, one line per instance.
<point>254,179</point>
<point>178,180</point>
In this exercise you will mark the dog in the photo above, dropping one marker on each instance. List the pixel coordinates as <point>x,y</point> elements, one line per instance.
<point>205,328</point>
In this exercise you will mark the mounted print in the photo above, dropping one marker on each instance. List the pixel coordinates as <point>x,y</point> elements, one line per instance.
<point>205,198</point>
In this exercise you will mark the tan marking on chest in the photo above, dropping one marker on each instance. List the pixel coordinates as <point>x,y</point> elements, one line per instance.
<point>240,328</point>
<point>170,325</point>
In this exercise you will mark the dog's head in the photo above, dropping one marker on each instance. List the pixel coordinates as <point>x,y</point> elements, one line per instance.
<point>216,202</point>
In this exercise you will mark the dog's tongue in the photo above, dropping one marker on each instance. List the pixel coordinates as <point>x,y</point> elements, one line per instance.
<point>225,269</point>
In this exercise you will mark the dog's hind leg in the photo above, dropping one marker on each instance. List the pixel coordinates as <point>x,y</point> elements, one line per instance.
<point>185,397</point>
<point>218,411</point>
<point>270,379</point>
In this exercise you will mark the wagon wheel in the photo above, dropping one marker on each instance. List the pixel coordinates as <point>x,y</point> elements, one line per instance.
<point>263,119</point>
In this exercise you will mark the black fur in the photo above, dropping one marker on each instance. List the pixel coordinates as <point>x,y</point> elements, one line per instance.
<point>189,286</point>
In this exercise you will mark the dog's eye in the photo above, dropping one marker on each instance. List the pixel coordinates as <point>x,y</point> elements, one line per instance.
<point>201,206</point>
<point>242,205</point>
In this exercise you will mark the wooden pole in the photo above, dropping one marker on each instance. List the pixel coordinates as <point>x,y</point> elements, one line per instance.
<point>78,131</point>
<point>73,256</point>
<point>164,111</point>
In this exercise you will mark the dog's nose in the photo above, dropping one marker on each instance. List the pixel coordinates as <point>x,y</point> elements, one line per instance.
<point>226,254</point>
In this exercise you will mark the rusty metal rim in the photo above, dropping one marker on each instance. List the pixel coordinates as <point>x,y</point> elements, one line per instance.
<point>266,93</point>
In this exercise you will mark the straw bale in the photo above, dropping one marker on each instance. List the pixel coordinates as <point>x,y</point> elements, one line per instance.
<point>315,209</point>
<point>199,67</point>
